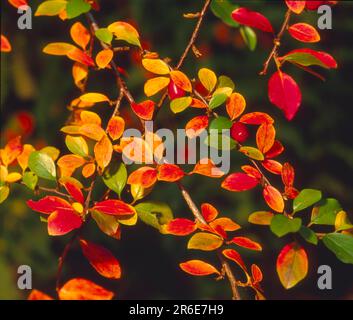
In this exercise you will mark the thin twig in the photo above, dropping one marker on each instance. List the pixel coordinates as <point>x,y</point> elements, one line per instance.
<point>276,43</point>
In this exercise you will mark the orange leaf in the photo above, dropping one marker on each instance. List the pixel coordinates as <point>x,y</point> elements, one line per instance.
<point>103,151</point>
<point>144,110</point>
<point>154,85</point>
<point>256,274</point>
<point>114,208</point>
<point>225,223</point>
<point>246,243</point>
<point>235,105</point>
<point>94,97</point>
<point>136,149</point>
<point>18,3</point>
<point>116,126</point>
<point>256,118</point>
<point>38,295</point>
<point>273,198</point>
<point>103,58</point>
<point>272,166</point>
<point>180,227</point>
<point>181,80</point>
<point>22,159</point>
<point>82,289</point>
<point>11,151</point>
<point>79,56</point>
<point>79,74</point>
<point>292,265</point>
<point>296,6</point>
<point>92,131</point>
<point>90,117</point>
<point>206,167</point>
<point>59,48</point>
<point>101,259</point>
<point>5,44</point>
<point>198,268</point>
<point>304,32</point>
<point>80,35</point>
<point>69,163</point>
<point>251,171</point>
<point>265,137</point>
<point>197,103</point>
<point>195,126</point>
<point>88,170</point>
<point>287,175</point>
<point>145,177</point>
<point>239,182</point>
<point>170,172</point>
<point>209,212</point>
<point>233,255</point>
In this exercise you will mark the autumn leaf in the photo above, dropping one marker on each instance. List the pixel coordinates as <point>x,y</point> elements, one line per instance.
<point>252,19</point>
<point>265,137</point>
<point>272,166</point>
<point>225,224</point>
<point>126,32</point>
<point>92,131</point>
<point>69,163</point>
<point>169,172</point>
<point>251,171</point>
<point>180,227</point>
<point>114,208</point>
<point>256,118</point>
<point>156,66</point>
<point>79,74</point>
<point>116,126</point>
<point>206,167</point>
<point>62,222</point>
<point>284,93</point>
<point>233,255</point>
<point>195,126</point>
<point>103,151</point>
<point>198,268</point>
<point>181,80</point>
<point>80,35</point>
<point>79,56</point>
<point>256,274</point>
<point>261,218</point>
<point>296,6</point>
<point>292,265</point>
<point>275,151</point>
<point>144,176</point>
<point>18,3</point>
<point>38,295</point>
<point>287,175</point>
<point>94,97</point>
<point>246,243</point>
<point>304,32</point>
<point>144,110</point>
<point>209,212</point>
<point>104,57</point>
<point>239,182</point>
<point>208,79</point>
<point>48,8</point>
<point>204,241</point>
<point>154,85</point>
<point>83,289</point>
<point>101,259</point>
<point>5,44</point>
<point>273,198</point>
<point>58,48</point>
<point>73,187</point>
<point>235,105</point>
<point>11,151</point>
<point>88,170</point>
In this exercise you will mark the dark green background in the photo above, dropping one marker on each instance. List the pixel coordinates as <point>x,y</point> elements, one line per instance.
<point>318,143</point>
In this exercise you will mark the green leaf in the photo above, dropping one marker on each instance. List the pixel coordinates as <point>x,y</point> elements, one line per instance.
<point>305,199</point>
<point>225,82</point>
<point>4,193</point>
<point>223,10</point>
<point>115,177</point>
<point>304,59</point>
<point>252,153</point>
<point>42,165</point>
<point>220,123</point>
<point>263,218</point>
<point>220,142</point>
<point>308,234</point>
<point>204,241</point>
<point>217,100</point>
<point>155,214</point>
<point>282,225</point>
<point>180,104</point>
<point>77,145</point>
<point>30,179</point>
<point>50,8</point>
<point>104,35</point>
<point>249,37</point>
<point>325,212</point>
<point>75,8</point>
<point>341,245</point>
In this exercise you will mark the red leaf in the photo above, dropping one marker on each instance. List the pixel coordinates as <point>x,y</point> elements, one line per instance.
<point>234,256</point>
<point>252,19</point>
<point>38,295</point>
<point>195,126</point>
<point>82,289</point>
<point>326,59</point>
<point>273,198</point>
<point>284,93</point>
<point>5,45</point>
<point>81,57</point>
<point>252,171</point>
<point>256,118</point>
<point>170,172</point>
<point>275,151</point>
<point>288,175</point>
<point>256,274</point>
<point>49,204</point>
<point>304,32</point>
<point>144,110</point>
<point>181,227</point>
<point>62,222</point>
<point>246,243</point>
<point>272,166</point>
<point>198,268</point>
<point>114,208</point>
<point>209,212</point>
<point>239,182</point>
<point>296,6</point>
<point>74,191</point>
<point>101,259</point>
<point>144,176</point>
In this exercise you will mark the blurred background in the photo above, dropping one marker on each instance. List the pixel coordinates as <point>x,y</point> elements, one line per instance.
<point>36,88</point>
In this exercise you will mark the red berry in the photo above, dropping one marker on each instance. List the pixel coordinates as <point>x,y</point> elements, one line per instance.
<point>239,132</point>
<point>174,91</point>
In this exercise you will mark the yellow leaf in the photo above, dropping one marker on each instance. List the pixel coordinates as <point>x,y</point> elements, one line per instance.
<point>181,80</point>
<point>51,8</point>
<point>204,241</point>
<point>92,131</point>
<point>13,177</point>
<point>94,97</point>
<point>79,73</point>
<point>208,78</point>
<point>90,117</point>
<point>103,58</point>
<point>154,85</point>
<point>103,151</point>
<point>156,66</point>
<point>80,35</point>
<point>3,174</point>
<point>58,48</point>
<point>126,32</point>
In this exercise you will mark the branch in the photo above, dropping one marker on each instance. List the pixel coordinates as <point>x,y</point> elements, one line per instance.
<point>277,42</point>
<point>197,214</point>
